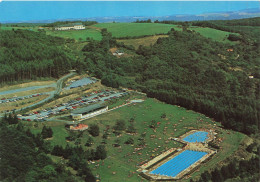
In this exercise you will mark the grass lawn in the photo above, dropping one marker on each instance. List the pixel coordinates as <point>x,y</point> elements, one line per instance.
<point>77,34</point>
<point>121,163</point>
<point>136,29</point>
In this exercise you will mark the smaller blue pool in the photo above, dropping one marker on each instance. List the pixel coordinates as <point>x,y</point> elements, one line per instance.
<point>198,136</point>
<point>179,163</point>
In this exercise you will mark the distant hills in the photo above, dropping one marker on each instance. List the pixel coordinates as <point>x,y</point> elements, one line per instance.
<point>246,13</point>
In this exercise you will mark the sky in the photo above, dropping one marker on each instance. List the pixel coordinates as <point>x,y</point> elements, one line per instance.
<point>18,11</point>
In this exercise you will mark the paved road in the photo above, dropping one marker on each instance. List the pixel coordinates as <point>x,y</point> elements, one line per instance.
<point>53,93</point>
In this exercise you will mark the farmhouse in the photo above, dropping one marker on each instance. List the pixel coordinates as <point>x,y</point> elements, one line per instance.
<point>88,112</point>
<point>73,26</point>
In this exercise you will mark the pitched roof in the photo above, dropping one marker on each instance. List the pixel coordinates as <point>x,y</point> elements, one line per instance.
<point>89,109</point>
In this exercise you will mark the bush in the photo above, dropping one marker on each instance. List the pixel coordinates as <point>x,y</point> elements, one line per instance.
<point>93,130</point>
<point>233,37</point>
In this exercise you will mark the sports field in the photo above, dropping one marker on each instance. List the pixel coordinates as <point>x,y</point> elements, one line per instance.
<point>179,163</point>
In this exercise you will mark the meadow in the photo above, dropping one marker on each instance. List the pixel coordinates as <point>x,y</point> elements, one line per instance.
<point>79,35</point>
<point>120,30</point>
<point>214,34</point>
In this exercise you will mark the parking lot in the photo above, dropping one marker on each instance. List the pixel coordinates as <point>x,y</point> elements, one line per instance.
<point>15,99</point>
<point>94,97</point>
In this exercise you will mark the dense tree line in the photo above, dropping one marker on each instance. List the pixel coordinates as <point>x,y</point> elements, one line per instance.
<point>143,21</point>
<point>244,170</point>
<point>71,153</point>
<point>188,70</point>
<point>28,55</point>
<point>24,156</point>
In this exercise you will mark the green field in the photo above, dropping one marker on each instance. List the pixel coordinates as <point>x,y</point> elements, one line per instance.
<point>136,29</point>
<point>120,30</point>
<point>77,34</point>
<point>3,27</point>
<point>121,163</point>
<point>217,35</point>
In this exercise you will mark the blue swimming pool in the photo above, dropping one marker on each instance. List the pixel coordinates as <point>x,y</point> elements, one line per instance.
<point>179,163</point>
<point>198,136</point>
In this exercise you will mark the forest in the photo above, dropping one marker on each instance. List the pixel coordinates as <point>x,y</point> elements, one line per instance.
<point>189,70</point>
<point>26,157</point>
<point>27,55</point>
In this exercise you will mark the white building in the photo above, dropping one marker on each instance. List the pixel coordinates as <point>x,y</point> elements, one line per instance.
<point>88,112</point>
<point>75,26</point>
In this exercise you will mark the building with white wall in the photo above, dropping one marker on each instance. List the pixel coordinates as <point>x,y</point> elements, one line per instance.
<point>88,112</point>
<point>73,26</point>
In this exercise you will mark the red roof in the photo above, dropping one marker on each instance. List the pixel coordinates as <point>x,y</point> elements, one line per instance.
<point>80,127</point>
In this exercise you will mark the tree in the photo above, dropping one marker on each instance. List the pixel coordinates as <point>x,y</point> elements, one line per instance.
<point>101,152</point>
<point>233,37</point>
<point>153,124</point>
<point>46,132</point>
<point>129,141</point>
<point>131,129</point>
<point>57,150</point>
<point>89,142</point>
<point>120,125</point>
<point>93,130</point>
<point>163,115</point>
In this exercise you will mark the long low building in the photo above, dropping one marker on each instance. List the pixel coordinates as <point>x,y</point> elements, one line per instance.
<point>87,112</point>
<point>74,26</point>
